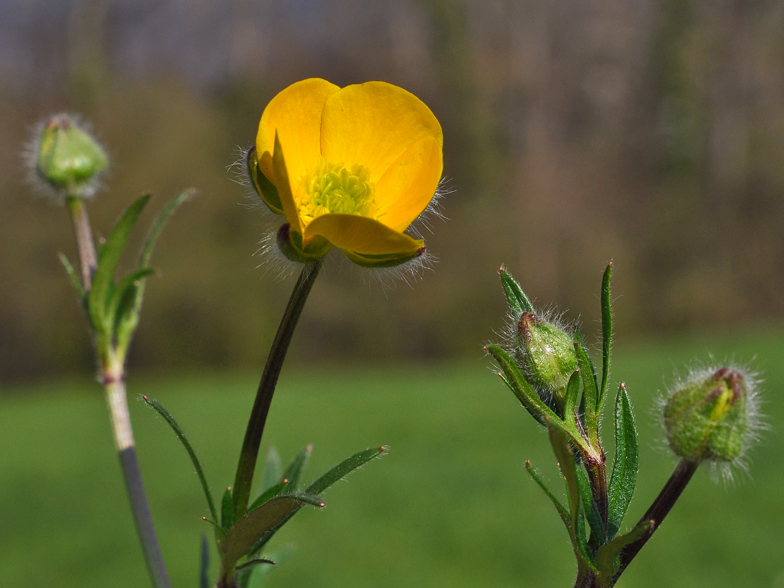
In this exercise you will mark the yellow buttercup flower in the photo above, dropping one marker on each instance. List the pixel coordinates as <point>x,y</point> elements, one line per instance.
<point>349,167</point>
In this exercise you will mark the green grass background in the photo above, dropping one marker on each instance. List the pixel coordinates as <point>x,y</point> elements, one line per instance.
<point>450,505</point>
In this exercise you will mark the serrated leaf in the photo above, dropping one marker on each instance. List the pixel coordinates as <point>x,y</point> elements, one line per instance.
<point>73,277</point>
<point>191,453</point>
<point>295,469</point>
<point>591,509</point>
<point>251,527</point>
<point>204,567</point>
<point>624,475</point>
<point>108,259</point>
<point>608,557</point>
<point>268,494</point>
<point>227,510</point>
<point>606,332</point>
<point>344,468</point>
<point>272,470</point>
<point>517,299</point>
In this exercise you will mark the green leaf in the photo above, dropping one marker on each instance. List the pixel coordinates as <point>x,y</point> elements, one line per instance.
<point>160,222</point>
<point>73,276</point>
<point>272,470</point>
<point>520,386</point>
<point>539,418</point>
<point>517,299</point>
<point>254,525</point>
<point>227,510</point>
<point>598,532</point>
<point>256,576</point>
<point>624,474</point>
<point>606,332</point>
<point>295,469</point>
<point>562,512</point>
<point>344,468</point>
<point>608,557</point>
<point>254,562</point>
<point>124,295</point>
<point>571,399</point>
<point>191,453</point>
<point>269,494</point>
<point>107,265</point>
<point>587,370</point>
<point>204,568</point>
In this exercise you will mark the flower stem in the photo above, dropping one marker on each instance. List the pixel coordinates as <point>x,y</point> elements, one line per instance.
<point>84,240</point>
<point>659,509</point>
<point>123,439</point>
<point>269,379</point>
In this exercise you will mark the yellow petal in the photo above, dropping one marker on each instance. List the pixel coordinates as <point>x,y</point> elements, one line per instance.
<point>361,234</point>
<point>409,184</point>
<point>372,124</point>
<point>295,115</point>
<point>284,187</point>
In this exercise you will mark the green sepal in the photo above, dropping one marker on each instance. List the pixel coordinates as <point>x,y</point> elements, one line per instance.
<point>112,250</point>
<point>254,525</point>
<point>344,468</point>
<point>291,245</point>
<point>591,509</point>
<point>204,563</point>
<point>606,333</point>
<point>624,475</point>
<point>272,470</point>
<point>73,277</point>
<point>608,557</point>
<point>517,299</point>
<point>382,261</point>
<point>191,453</point>
<point>295,469</point>
<point>227,511</point>
<point>268,494</point>
<point>264,188</point>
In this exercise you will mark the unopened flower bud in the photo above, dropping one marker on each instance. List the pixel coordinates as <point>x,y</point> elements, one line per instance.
<point>546,353</point>
<point>707,417</point>
<point>68,158</point>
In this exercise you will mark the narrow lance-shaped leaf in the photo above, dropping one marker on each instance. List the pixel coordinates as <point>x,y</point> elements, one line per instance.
<point>227,510</point>
<point>204,568</point>
<point>240,539</point>
<point>539,418</point>
<point>562,512</point>
<point>125,293</point>
<point>160,222</point>
<point>344,468</point>
<point>588,375</point>
<point>563,454</point>
<point>606,332</point>
<point>269,494</point>
<point>107,265</point>
<point>624,474</point>
<point>571,399</point>
<point>598,532</point>
<point>191,453</point>
<point>517,299</point>
<point>72,276</point>
<point>295,469</point>
<point>272,470</point>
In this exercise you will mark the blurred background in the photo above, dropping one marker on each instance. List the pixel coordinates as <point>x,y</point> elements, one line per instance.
<point>576,132</point>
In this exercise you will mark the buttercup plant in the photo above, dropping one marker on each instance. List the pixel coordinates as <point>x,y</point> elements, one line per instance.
<point>349,168</point>
<point>712,416</point>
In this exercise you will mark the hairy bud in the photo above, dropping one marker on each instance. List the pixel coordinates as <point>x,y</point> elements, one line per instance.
<point>546,353</point>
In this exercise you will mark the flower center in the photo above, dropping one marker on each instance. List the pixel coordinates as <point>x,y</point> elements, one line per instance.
<point>337,189</point>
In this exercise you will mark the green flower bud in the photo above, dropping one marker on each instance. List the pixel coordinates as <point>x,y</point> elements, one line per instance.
<point>68,158</point>
<point>546,353</point>
<point>707,417</point>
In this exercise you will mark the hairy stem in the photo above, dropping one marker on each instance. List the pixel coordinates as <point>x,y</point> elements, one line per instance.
<point>660,509</point>
<point>123,440</point>
<point>269,380</point>
<point>84,240</point>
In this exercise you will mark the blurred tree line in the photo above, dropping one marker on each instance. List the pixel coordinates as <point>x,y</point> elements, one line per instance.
<point>576,131</point>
